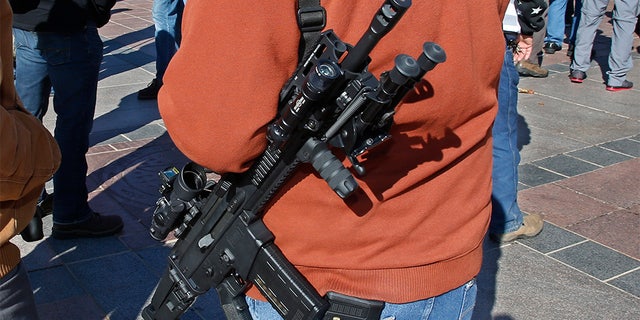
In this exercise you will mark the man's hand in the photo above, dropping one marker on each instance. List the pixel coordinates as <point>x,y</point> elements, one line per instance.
<point>523,49</point>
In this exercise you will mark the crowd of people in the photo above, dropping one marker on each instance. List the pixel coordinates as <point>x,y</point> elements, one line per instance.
<point>573,25</point>
<point>58,52</point>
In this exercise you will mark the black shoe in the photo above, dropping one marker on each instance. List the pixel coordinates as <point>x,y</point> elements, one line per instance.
<point>577,76</point>
<point>96,226</point>
<point>46,205</point>
<point>151,91</point>
<point>551,47</point>
<point>33,231</point>
<point>626,85</point>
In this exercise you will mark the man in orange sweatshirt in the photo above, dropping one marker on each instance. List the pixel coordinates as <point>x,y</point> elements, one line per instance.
<point>28,158</point>
<point>412,235</point>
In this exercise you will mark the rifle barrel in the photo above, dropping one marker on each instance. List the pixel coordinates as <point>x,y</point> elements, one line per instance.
<point>383,21</point>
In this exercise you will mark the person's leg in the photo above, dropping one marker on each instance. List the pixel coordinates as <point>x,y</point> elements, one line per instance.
<point>32,80</point>
<point>531,66</point>
<point>16,296</point>
<point>555,25</point>
<point>506,215</point>
<point>538,42</point>
<point>575,21</point>
<point>73,66</point>
<point>625,16</point>
<point>167,16</point>
<point>455,304</point>
<point>590,18</point>
<point>33,86</point>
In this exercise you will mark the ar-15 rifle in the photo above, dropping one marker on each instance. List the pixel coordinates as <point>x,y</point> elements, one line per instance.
<point>222,240</point>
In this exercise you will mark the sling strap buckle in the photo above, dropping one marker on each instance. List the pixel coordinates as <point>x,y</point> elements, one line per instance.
<point>311,19</point>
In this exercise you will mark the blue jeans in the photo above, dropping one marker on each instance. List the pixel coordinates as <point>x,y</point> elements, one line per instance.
<point>167,16</point>
<point>68,63</point>
<point>455,304</point>
<point>556,21</point>
<point>506,215</point>
<point>575,21</point>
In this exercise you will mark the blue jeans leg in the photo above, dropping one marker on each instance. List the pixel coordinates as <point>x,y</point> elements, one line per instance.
<point>556,21</point>
<point>70,64</point>
<point>575,21</point>
<point>456,304</point>
<point>506,215</point>
<point>167,16</point>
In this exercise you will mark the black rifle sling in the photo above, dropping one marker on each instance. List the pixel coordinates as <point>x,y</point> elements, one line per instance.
<point>312,18</point>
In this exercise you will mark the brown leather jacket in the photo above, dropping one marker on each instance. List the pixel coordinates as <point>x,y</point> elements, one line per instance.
<point>28,153</point>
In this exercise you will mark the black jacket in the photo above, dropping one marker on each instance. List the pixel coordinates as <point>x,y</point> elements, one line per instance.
<point>59,15</point>
<point>530,15</point>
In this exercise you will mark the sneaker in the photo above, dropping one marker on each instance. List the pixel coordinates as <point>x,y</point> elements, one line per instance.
<point>151,91</point>
<point>526,68</point>
<point>577,76</point>
<point>626,85</point>
<point>531,226</point>
<point>551,47</point>
<point>97,226</point>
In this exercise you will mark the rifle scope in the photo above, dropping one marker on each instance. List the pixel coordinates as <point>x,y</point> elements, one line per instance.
<point>170,212</point>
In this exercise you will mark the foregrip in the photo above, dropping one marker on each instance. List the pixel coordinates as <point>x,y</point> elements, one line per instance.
<point>329,167</point>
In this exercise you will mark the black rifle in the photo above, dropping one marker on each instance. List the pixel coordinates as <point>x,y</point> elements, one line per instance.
<point>331,100</point>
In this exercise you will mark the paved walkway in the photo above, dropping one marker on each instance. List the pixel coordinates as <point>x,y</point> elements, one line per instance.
<point>580,169</point>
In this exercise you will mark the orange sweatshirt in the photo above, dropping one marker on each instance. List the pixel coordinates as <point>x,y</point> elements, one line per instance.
<point>415,229</point>
<point>28,154</point>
